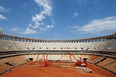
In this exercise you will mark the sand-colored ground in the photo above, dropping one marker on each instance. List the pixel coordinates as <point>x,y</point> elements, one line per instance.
<point>32,69</point>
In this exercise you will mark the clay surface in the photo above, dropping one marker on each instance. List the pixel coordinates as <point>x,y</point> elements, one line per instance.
<point>32,69</point>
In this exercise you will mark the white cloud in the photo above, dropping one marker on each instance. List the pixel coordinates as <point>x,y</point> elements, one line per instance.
<point>2,17</point>
<point>52,20</point>
<point>95,26</point>
<point>72,28</point>
<point>30,31</point>
<point>15,29</point>
<point>49,26</point>
<point>1,28</point>
<point>2,9</point>
<point>36,25</point>
<point>38,17</point>
<point>75,14</point>
<point>46,5</point>
<point>98,25</point>
<point>20,31</point>
<point>43,29</point>
<point>47,11</point>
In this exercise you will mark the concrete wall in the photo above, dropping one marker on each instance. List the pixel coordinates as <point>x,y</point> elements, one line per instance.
<point>6,45</point>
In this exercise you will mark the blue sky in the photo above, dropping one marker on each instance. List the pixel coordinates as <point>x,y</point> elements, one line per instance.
<point>58,19</point>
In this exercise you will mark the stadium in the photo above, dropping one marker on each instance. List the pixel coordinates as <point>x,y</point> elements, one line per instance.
<point>28,57</point>
<point>57,38</point>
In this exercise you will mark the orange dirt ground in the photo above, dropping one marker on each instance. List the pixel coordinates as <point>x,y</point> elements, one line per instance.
<point>31,69</point>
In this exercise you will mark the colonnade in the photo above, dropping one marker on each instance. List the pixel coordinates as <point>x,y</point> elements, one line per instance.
<point>22,39</point>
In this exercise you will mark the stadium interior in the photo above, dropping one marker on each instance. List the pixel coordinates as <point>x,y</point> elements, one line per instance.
<point>28,57</point>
